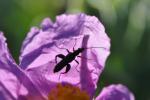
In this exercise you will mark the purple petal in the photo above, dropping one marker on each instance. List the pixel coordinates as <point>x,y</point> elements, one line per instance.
<point>40,77</point>
<point>6,78</point>
<point>33,32</point>
<point>46,24</point>
<point>87,83</point>
<point>68,31</point>
<point>115,92</point>
<point>13,82</point>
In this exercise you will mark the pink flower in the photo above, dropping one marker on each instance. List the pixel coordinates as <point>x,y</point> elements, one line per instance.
<point>34,77</point>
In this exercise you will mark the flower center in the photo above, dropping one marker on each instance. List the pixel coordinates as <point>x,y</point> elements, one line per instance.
<point>67,92</point>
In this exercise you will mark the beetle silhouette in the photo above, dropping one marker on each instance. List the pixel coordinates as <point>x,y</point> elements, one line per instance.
<point>66,60</point>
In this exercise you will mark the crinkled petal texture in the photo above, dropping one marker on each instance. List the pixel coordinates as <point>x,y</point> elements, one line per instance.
<point>115,92</point>
<point>69,31</point>
<point>14,84</point>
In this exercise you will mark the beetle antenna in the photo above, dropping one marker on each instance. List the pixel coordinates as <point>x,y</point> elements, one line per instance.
<point>94,47</point>
<point>84,58</point>
<point>74,45</point>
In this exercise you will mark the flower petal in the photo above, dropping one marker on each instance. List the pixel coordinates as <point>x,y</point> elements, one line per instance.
<point>67,32</point>
<point>40,77</point>
<point>8,81</point>
<point>115,92</point>
<point>35,42</point>
<point>13,82</point>
<point>46,24</point>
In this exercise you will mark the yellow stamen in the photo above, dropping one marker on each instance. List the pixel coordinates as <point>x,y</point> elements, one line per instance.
<point>67,92</point>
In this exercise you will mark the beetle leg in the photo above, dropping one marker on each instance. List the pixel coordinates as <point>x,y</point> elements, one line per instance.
<point>62,48</point>
<point>67,69</point>
<point>77,65</point>
<point>76,61</point>
<point>60,56</point>
<point>67,50</point>
<point>74,45</point>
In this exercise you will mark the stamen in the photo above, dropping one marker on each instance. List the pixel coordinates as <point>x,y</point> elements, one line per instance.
<point>67,92</point>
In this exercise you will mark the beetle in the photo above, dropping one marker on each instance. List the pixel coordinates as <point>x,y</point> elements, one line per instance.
<point>68,58</point>
<point>65,60</point>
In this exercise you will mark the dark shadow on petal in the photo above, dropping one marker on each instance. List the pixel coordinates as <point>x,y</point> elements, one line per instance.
<point>21,97</point>
<point>67,30</point>
<point>7,92</point>
<point>2,96</point>
<point>29,58</point>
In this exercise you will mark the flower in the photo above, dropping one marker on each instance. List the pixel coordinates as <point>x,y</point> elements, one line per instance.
<point>34,78</point>
<point>115,92</point>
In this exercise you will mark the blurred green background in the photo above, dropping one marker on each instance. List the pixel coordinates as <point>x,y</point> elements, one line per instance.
<point>127,23</point>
